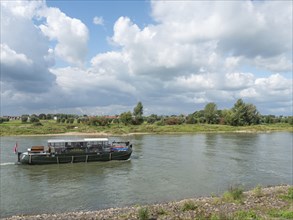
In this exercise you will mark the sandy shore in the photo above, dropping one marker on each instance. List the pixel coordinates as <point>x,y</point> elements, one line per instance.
<point>100,134</point>
<point>104,134</point>
<point>256,204</point>
<point>92,134</point>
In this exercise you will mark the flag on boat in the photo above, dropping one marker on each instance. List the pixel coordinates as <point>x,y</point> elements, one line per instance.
<point>15,148</point>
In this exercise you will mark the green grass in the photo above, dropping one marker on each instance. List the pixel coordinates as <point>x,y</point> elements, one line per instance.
<point>189,205</point>
<point>283,214</point>
<point>246,215</point>
<point>239,215</point>
<point>161,211</point>
<point>258,191</point>
<point>143,213</point>
<point>52,127</point>
<point>289,195</point>
<point>235,194</point>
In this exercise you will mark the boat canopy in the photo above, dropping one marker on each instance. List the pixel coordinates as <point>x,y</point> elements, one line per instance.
<point>79,140</point>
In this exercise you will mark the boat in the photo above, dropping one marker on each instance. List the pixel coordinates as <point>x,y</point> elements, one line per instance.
<point>74,151</point>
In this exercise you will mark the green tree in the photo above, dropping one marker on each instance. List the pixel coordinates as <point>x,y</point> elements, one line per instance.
<point>138,110</point>
<point>211,113</point>
<point>103,121</point>
<point>152,119</point>
<point>4,119</point>
<point>34,119</point>
<point>49,116</point>
<point>24,118</point>
<point>126,118</point>
<point>42,116</point>
<point>137,113</point>
<point>94,121</point>
<point>173,120</point>
<point>252,116</point>
<point>190,119</point>
<point>290,120</point>
<point>199,116</point>
<point>243,114</point>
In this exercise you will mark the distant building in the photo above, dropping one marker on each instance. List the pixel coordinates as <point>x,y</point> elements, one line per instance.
<point>12,118</point>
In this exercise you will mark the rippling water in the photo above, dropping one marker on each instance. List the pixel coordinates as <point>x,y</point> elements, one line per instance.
<point>162,168</point>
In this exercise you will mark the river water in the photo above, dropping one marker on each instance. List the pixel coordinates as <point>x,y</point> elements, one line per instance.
<point>161,168</point>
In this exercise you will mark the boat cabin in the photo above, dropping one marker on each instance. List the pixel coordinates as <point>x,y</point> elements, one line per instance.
<point>86,144</point>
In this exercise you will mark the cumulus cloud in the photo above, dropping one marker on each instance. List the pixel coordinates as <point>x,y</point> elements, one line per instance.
<point>25,60</point>
<point>238,80</point>
<point>25,9</point>
<point>10,57</point>
<point>190,49</point>
<point>194,53</point>
<point>71,35</point>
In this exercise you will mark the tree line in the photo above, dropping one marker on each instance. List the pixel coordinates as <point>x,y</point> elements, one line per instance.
<point>241,114</point>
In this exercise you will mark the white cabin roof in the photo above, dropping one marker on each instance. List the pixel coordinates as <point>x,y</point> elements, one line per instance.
<point>78,140</point>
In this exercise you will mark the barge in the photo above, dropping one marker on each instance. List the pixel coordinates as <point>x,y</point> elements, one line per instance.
<point>74,151</point>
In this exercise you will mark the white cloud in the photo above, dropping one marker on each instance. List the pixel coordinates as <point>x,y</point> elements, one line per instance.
<point>238,80</point>
<point>11,58</point>
<point>192,83</point>
<point>86,85</point>
<point>71,35</point>
<point>275,82</point>
<point>280,63</point>
<point>24,60</point>
<point>98,20</point>
<point>248,93</point>
<point>196,52</point>
<point>25,9</point>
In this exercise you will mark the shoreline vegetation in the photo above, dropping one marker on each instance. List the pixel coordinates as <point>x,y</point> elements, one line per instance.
<point>242,117</point>
<point>50,127</point>
<point>272,202</point>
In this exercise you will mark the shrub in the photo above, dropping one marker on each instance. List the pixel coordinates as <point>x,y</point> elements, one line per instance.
<point>173,121</point>
<point>34,119</point>
<point>189,205</point>
<point>258,191</point>
<point>161,211</point>
<point>37,124</point>
<point>234,194</point>
<point>143,213</point>
<point>24,118</point>
<point>160,123</point>
<point>289,195</point>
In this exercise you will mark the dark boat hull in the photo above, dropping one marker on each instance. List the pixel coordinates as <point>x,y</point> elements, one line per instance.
<point>38,159</point>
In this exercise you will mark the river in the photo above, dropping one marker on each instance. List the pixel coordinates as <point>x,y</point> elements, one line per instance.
<point>161,168</point>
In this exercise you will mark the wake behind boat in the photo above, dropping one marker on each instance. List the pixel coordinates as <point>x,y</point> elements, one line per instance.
<point>74,151</point>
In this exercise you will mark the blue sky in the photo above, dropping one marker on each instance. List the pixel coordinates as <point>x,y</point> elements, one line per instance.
<point>102,57</point>
<point>109,11</point>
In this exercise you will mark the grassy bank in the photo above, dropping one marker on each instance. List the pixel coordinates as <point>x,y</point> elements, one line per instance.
<point>51,127</point>
<point>259,203</point>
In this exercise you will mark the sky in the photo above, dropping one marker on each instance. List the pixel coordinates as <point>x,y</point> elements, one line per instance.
<point>103,57</point>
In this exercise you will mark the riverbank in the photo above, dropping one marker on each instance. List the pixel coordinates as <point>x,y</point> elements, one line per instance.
<point>16,128</point>
<point>259,203</point>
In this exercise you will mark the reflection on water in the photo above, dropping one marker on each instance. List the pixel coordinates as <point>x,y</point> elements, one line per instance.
<point>162,168</point>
